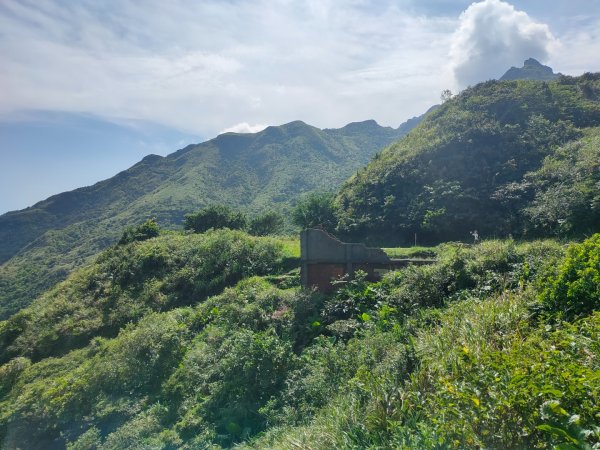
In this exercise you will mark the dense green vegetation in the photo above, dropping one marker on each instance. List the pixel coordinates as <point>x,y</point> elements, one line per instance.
<point>266,224</point>
<point>258,172</point>
<point>315,210</point>
<point>129,281</point>
<point>565,191</point>
<point>146,230</point>
<point>203,338</point>
<point>204,341</point>
<point>513,157</point>
<point>219,216</point>
<point>215,217</point>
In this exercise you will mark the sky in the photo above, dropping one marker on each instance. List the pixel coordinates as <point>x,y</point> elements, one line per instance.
<point>87,87</point>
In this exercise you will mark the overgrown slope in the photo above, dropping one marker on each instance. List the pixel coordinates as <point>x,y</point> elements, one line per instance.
<point>482,349</point>
<point>483,161</point>
<point>256,172</point>
<point>128,281</point>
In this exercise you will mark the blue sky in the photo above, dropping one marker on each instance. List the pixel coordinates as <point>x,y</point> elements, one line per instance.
<point>88,88</point>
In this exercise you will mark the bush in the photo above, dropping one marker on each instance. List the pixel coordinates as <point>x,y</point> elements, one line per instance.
<point>227,376</point>
<point>215,216</point>
<point>268,223</point>
<point>106,383</point>
<point>440,356</point>
<point>538,392</point>
<point>316,210</point>
<point>574,290</point>
<point>146,230</point>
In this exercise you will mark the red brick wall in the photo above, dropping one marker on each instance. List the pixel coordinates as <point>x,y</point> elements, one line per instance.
<point>320,275</point>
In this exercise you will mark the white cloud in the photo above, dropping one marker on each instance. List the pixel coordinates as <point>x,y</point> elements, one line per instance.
<point>493,36</point>
<point>579,48</point>
<point>201,66</point>
<point>244,127</point>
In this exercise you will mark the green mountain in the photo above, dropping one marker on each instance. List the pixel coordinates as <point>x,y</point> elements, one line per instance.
<point>502,158</point>
<point>532,70</point>
<point>256,172</point>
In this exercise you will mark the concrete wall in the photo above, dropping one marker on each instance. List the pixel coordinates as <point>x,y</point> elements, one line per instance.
<point>324,257</point>
<point>318,245</point>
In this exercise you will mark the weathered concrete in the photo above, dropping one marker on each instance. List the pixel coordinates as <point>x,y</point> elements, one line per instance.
<point>325,258</point>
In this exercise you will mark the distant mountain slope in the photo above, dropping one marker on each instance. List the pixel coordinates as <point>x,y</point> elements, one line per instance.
<point>269,169</point>
<point>531,70</point>
<point>503,157</point>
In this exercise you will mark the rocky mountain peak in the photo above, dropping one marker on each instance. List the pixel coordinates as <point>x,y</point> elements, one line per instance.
<point>532,70</point>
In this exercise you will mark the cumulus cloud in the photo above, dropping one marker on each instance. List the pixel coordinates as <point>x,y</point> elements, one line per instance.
<point>493,36</point>
<point>244,127</point>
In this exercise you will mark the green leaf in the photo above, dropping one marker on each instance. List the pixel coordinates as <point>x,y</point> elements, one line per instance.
<point>557,432</point>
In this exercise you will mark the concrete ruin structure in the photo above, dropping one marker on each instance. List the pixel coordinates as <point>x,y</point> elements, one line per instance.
<point>324,259</point>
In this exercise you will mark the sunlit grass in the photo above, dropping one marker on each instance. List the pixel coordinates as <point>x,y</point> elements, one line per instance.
<point>411,252</point>
<point>291,249</point>
<point>291,246</point>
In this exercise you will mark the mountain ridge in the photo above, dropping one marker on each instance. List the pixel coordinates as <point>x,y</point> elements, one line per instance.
<point>269,169</point>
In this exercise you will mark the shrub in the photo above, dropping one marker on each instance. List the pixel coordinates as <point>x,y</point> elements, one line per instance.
<point>574,289</point>
<point>215,216</point>
<point>316,210</point>
<point>227,376</point>
<point>499,398</point>
<point>129,281</point>
<point>268,223</point>
<point>146,230</point>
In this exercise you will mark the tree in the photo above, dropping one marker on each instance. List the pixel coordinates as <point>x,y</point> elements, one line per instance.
<point>446,95</point>
<point>269,223</point>
<point>316,210</point>
<point>215,216</point>
<point>146,230</point>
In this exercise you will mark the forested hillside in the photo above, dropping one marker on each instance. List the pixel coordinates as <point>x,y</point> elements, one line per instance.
<point>206,341</point>
<point>194,339</point>
<point>267,170</point>
<point>504,158</point>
